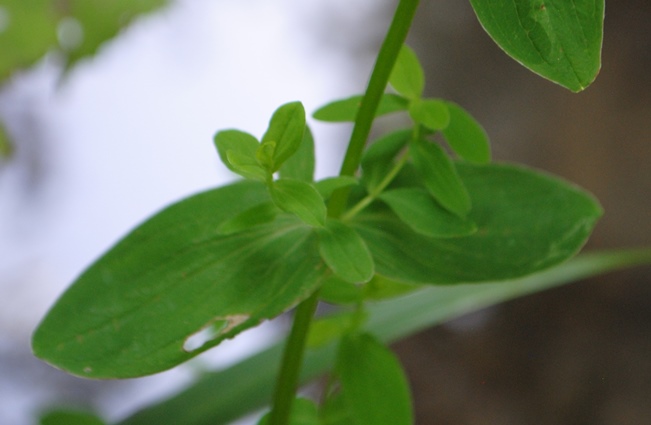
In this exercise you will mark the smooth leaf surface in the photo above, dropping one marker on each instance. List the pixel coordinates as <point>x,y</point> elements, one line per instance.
<point>300,166</point>
<point>328,185</point>
<point>335,290</point>
<point>407,76</point>
<point>260,214</point>
<point>373,385</point>
<point>286,129</point>
<point>345,110</point>
<point>418,210</point>
<point>335,412</point>
<point>440,177</point>
<point>238,149</point>
<point>345,252</point>
<point>304,412</point>
<point>466,136</point>
<point>378,157</point>
<point>132,312</point>
<point>250,382</point>
<point>70,417</point>
<point>557,39</point>
<point>431,113</point>
<point>527,221</point>
<point>301,199</point>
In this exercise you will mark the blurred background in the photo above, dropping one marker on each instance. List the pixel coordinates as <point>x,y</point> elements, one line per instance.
<point>128,130</point>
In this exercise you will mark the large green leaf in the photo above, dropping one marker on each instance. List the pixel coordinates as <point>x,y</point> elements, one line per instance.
<point>136,310</point>
<point>557,39</point>
<point>526,221</point>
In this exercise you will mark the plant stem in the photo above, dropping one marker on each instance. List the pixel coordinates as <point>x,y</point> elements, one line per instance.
<point>290,368</point>
<point>377,84</point>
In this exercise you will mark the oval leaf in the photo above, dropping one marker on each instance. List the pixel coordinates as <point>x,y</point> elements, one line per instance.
<point>300,166</point>
<point>344,251</point>
<point>440,177</point>
<point>345,110</point>
<point>378,158</point>
<point>418,210</point>
<point>328,185</point>
<point>132,312</point>
<point>237,151</point>
<point>373,385</point>
<point>286,129</point>
<point>431,113</point>
<point>466,136</point>
<point>300,199</point>
<point>527,221</point>
<point>559,40</point>
<point>407,76</point>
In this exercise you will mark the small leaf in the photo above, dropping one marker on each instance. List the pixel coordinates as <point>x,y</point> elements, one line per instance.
<point>300,166</point>
<point>381,288</point>
<point>345,110</point>
<point>373,385</point>
<point>407,76</point>
<point>300,199</point>
<point>440,177</point>
<point>286,130</point>
<point>254,216</point>
<point>304,412</point>
<point>338,291</point>
<point>70,417</point>
<point>378,158</point>
<point>345,252</point>
<point>238,151</point>
<point>327,329</point>
<point>328,185</point>
<point>466,136</point>
<point>246,167</point>
<point>418,210</point>
<point>431,113</point>
<point>559,40</point>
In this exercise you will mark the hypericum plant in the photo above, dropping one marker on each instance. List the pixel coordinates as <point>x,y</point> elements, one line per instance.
<point>417,208</point>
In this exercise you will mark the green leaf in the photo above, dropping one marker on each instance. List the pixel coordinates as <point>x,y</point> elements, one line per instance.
<point>301,199</point>
<point>70,417</point>
<point>380,288</point>
<point>527,221</point>
<point>559,40</point>
<point>328,185</point>
<point>304,412</point>
<point>431,113</point>
<point>407,76</point>
<point>330,328</point>
<point>6,146</point>
<point>466,136</point>
<point>338,291</point>
<point>286,130</point>
<point>344,251</point>
<point>379,156</point>
<point>238,151</point>
<point>300,166</point>
<point>373,385</point>
<point>345,110</point>
<point>254,216</point>
<point>335,411</point>
<point>143,306</point>
<point>418,210</point>
<point>440,177</point>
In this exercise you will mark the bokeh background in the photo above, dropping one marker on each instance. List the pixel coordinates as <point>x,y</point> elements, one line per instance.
<point>129,131</point>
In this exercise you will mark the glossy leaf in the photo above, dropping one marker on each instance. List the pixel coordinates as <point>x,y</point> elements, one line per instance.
<point>559,40</point>
<point>286,130</point>
<point>300,166</point>
<point>466,136</point>
<point>418,210</point>
<point>431,113</point>
<point>304,412</point>
<point>440,177</point>
<point>254,216</point>
<point>407,76</point>
<point>527,221</point>
<point>301,199</point>
<point>238,151</point>
<point>133,311</point>
<point>345,110</point>
<point>328,185</point>
<point>373,385</point>
<point>344,251</point>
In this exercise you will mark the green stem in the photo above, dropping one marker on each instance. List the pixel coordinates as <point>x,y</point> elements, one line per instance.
<point>287,381</point>
<point>377,84</point>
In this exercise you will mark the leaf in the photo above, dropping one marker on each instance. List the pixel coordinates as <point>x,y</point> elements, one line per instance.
<point>327,329</point>
<point>559,40</point>
<point>70,417</point>
<point>338,291</point>
<point>300,166</point>
<point>344,251</point>
<point>431,113</point>
<point>345,110</point>
<point>380,288</point>
<point>238,151</point>
<point>440,177</point>
<point>407,76</point>
<point>527,221</point>
<point>251,381</point>
<point>328,185</point>
<point>301,199</point>
<point>378,157</point>
<point>286,130</point>
<point>418,210</point>
<point>135,309</point>
<point>373,385</point>
<point>466,136</point>
<point>304,412</point>
<point>254,216</point>
<point>335,411</point>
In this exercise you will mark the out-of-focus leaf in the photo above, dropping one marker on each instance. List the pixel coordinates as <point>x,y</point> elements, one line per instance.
<point>70,417</point>
<point>285,132</point>
<point>300,166</point>
<point>407,76</point>
<point>304,412</point>
<point>6,147</point>
<point>328,185</point>
<point>344,251</point>
<point>338,291</point>
<point>378,158</point>
<point>238,151</point>
<point>148,304</point>
<point>527,221</point>
<point>345,110</point>
<point>466,137</point>
<point>558,39</point>
<point>254,216</point>
<point>432,113</point>
<point>301,199</point>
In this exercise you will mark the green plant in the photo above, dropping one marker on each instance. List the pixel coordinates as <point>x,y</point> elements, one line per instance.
<point>220,262</point>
